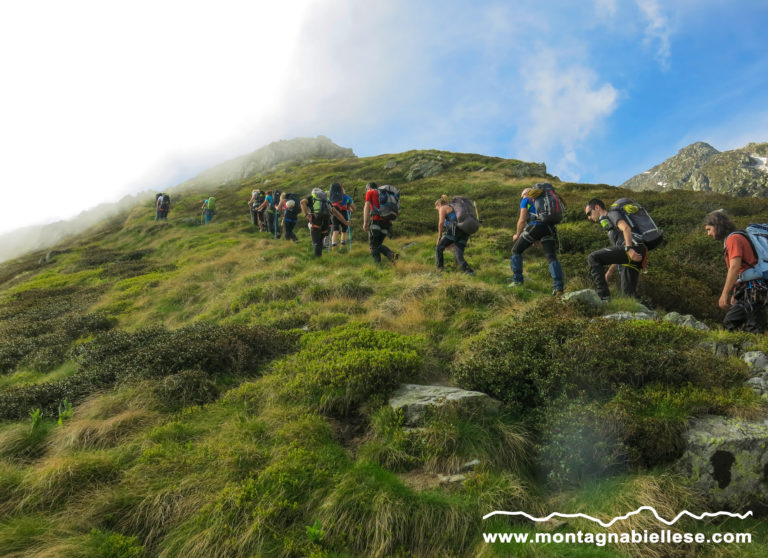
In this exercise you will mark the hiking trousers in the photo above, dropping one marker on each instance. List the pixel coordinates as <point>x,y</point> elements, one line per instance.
<point>629,271</point>
<point>459,241</point>
<point>376,236</point>
<point>547,235</point>
<point>289,234</point>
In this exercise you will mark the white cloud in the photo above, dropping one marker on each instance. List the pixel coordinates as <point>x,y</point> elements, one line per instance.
<point>657,31</point>
<point>566,104</point>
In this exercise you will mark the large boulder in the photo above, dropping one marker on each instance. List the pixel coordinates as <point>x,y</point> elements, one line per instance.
<point>587,297</point>
<point>415,401</point>
<point>727,461</point>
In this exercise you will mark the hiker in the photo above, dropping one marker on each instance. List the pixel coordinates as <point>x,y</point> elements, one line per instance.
<point>209,209</point>
<point>290,206</point>
<point>318,210</point>
<point>257,198</point>
<point>377,225</point>
<point>345,205</point>
<point>538,225</point>
<point>268,210</point>
<point>628,250</point>
<point>450,235</point>
<point>162,206</point>
<point>743,297</point>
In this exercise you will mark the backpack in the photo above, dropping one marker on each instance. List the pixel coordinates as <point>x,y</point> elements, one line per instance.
<point>320,204</point>
<point>757,235</point>
<point>275,200</point>
<point>547,203</point>
<point>210,204</point>
<point>260,197</point>
<point>643,227</point>
<point>335,194</point>
<point>296,204</point>
<point>166,203</point>
<point>466,215</point>
<point>389,203</point>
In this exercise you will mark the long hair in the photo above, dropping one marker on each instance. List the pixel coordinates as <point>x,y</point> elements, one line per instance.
<point>721,222</point>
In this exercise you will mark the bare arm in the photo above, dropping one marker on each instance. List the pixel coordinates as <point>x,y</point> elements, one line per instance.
<point>521,223</point>
<point>734,265</point>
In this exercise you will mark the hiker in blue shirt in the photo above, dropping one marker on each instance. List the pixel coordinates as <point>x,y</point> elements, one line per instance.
<point>346,206</point>
<point>530,231</point>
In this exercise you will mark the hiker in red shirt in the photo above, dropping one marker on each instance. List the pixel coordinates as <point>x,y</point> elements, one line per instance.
<point>376,226</point>
<point>744,299</point>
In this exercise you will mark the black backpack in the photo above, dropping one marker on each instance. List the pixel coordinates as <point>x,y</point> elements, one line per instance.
<point>335,194</point>
<point>643,228</point>
<point>549,206</point>
<point>166,202</point>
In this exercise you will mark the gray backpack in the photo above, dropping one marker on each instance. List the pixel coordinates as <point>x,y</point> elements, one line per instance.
<point>466,214</point>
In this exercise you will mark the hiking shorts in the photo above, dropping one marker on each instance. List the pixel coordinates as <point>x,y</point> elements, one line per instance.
<point>338,225</point>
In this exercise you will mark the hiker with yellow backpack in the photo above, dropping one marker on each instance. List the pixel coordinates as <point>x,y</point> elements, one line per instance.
<point>632,233</point>
<point>209,210</point>
<point>541,209</point>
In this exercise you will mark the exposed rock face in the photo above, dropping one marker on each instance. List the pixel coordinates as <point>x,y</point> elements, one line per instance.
<point>727,460</point>
<point>685,320</point>
<point>415,401</point>
<point>702,168</point>
<point>587,297</point>
<point>265,158</point>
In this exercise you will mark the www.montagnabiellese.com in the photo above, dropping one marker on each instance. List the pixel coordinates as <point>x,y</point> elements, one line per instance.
<point>662,537</point>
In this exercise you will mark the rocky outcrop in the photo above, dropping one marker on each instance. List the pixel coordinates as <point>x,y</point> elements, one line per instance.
<point>685,320</point>
<point>702,168</point>
<point>726,459</point>
<point>416,401</point>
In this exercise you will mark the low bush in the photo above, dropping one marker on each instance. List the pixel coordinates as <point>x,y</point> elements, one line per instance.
<point>121,356</point>
<point>337,371</point>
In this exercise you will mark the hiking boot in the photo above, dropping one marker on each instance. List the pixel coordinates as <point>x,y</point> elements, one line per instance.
<point>394,257</point>
<point>605,299</point>
<point>515,284</point>
<point>440,269</point>
<point>557,292</point>
<point>469,271</point>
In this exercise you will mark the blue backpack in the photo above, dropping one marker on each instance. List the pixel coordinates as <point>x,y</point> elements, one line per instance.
<point>757,235</point>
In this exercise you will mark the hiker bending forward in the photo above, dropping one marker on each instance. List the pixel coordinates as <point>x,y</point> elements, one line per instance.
<point>743,299</point>
<point>627,251</point>
<point>449,234</point>
<point>529,231</point>
<point>318,210</point>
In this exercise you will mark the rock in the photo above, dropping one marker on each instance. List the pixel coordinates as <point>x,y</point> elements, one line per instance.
<point>390,164</point>
<point>727,460</point>
<point>626,316</point>
<point>469,466</point>
<point>757,362</point>
<point>414,401</point>
<point>409,245</point>
<point>450,479</point>
<point>423,169</point>
<point>758,385</point>
<point>686,320</point>
<point>719,348</point>
<point>587,297</point>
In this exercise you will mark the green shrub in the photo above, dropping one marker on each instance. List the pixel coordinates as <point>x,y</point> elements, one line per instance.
<point>185,388</point>
<point>120,356</point>
<point>337,371</point>
<point>514,361</point>
<point>105,544</point>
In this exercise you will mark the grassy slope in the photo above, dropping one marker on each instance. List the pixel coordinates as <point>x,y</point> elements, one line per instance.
<point>276,448</point>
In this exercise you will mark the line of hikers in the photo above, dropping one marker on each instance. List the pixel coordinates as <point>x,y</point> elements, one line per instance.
<point>631,231</point>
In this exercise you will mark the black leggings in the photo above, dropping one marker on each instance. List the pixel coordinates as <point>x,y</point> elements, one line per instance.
<point>376,237</point>
<point>629,270</point>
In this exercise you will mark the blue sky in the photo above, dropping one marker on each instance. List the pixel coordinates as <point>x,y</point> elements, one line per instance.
<point>104,99</point>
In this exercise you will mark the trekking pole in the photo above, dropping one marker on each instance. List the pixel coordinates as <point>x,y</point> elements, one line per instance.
<point>349,230</point>
<point>202,217</point>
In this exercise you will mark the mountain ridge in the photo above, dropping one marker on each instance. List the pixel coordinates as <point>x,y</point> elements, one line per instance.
<point>702,168</point>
